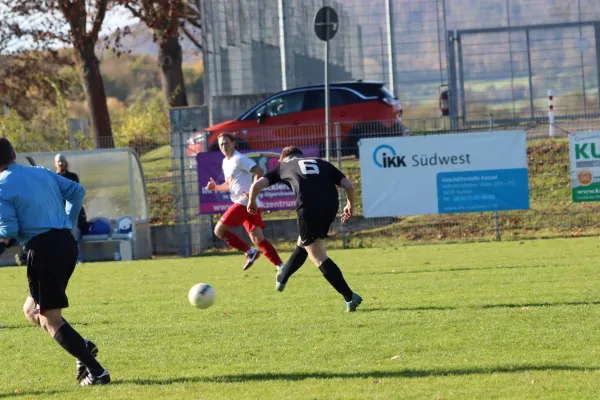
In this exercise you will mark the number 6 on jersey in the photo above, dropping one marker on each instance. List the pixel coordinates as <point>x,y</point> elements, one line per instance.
<point>308,167</point>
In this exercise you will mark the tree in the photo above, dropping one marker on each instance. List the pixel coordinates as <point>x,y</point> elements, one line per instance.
<point>167,18</point>
<point>23,86</point>
<point>44,24</point>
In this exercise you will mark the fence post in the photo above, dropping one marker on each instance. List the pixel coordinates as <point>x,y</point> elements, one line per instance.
<point>550,113</point>
<point>496,214</point>
<point>183,189</point>
<point>338,146</point>
<point>211,219</point>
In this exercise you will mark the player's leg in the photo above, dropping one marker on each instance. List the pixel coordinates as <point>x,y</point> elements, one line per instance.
<point>318,255</point>
<point>235,216</point>
<point>293,264</point>
<point>51,321</point>
<point>315,229</point>
<point>254,225</point>
<point>32,313</point>
<point>53,257</point>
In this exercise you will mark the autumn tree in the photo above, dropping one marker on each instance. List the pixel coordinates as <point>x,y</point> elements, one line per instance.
<point>24,84</point>
<point>168,20</point>
<point>45,24</point>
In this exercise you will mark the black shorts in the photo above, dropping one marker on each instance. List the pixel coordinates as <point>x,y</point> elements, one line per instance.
<point>314,224</point>
<point>51,259</point>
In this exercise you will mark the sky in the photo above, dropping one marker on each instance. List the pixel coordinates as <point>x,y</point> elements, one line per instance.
<point>114,19</point>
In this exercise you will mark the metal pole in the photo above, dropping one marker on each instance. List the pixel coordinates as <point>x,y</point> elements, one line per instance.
<point>206,63</point>
<point>282,49</point>
<point>215,87</point>
<point>461,78</point>
<point>383,71</point>
<point>338,142</point>
<point>496,214</point>
<point>184,205</point>
<point>597,41</point>
<point>582,63</point>
<point>452,86</point>
<point>132,206</point>
<point>389,16</point>
<point>512,74</point>
<point>530,72</point>
<point>550,113</point>
<point>437,9</point>
<point>327,130</point>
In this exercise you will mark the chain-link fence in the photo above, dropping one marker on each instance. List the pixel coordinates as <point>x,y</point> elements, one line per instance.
<point>552,213</point>
<point>173,187</point>
<point>499,56</point>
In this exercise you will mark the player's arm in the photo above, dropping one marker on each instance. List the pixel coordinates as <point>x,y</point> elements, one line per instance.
<point>212,185</point>
<point>340,180</point>
<point>9,225</point>
<point>350,198</point>
<point>258,172</point>
<point>271,178</point>
<point>247,164</point>
<point>73,193</point>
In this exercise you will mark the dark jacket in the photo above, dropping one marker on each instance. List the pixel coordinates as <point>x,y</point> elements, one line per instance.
<point>82,223</point>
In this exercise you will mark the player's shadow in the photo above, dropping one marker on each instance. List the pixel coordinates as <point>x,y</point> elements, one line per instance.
<point>457,269</point>
<point>542,304</point>
<point>423,308</point>
<point>27,393</point>
<point>406,373</point>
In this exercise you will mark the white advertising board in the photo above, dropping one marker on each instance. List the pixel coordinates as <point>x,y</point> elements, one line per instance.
<point>438,174</point>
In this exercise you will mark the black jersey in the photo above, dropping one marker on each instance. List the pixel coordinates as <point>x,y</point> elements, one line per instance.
<point>313,181</point>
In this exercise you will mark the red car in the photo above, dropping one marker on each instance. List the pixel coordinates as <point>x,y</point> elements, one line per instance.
<point>297,117</point>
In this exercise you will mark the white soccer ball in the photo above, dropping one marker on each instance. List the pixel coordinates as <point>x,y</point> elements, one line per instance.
<point>202,295</point>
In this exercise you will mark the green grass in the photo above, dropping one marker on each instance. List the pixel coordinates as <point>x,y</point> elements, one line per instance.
<point>157,166</point>
<point>516,320</point>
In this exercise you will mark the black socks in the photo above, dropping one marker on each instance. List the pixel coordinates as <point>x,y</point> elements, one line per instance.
<point>293,264</point>
<point>334,276</point>
<point>75,345</point>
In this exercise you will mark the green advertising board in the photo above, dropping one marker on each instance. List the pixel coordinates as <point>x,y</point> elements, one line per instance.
<point>585,166</point>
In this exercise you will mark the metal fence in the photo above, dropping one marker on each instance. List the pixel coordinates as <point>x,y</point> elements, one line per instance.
<point>552,212</point>
<point>499,56</point>
<point>178,227</point>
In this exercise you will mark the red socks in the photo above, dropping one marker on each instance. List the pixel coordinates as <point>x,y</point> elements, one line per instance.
<point>270,252</point>
<point>235,241</point>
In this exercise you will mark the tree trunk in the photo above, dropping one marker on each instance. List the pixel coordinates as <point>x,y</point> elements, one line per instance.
<point>95,95</point>
<point>170,58</point>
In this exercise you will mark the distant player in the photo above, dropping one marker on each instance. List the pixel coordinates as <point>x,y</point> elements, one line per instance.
<point>238,170</point>
<point>32,210</point>
<point>314,182</point>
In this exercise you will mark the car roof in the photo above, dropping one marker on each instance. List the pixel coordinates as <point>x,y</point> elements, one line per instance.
<point>349,84</point>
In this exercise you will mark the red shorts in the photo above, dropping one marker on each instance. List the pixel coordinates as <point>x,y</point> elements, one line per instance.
<point>238,215</point>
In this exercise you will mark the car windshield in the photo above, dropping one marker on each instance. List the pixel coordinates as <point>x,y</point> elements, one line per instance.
<point>280,105</point>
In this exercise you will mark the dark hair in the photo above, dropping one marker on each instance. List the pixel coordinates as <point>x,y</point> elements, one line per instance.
<point>290,151</point>
<point>228,135</point>
<point>7,152</point>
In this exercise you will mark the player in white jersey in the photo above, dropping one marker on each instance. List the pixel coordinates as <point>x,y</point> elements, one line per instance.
<point>238,171</point>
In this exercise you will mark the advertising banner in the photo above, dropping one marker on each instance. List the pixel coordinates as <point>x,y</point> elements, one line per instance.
<point>585,166</point>
<point>438,174</point>
<point>276,197</point>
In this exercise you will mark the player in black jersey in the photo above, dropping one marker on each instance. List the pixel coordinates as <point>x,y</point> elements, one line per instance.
<point>314,182</point>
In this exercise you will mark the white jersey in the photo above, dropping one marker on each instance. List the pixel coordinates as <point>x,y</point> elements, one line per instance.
<point>237,174</point>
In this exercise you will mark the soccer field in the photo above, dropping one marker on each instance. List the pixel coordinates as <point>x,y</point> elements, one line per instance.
<point>467,321</point>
